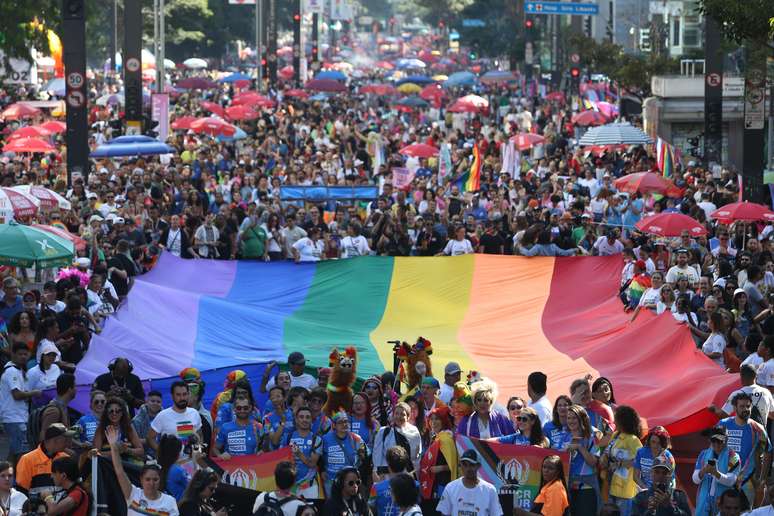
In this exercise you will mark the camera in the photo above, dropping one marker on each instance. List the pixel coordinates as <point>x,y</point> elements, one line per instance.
<point>34,505</point>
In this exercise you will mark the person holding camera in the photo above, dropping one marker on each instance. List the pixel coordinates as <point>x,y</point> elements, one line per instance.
<point>660,499</point>
<point>73,499</point>
<point>716,470</point>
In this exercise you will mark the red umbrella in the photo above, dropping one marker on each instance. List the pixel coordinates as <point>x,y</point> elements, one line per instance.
<point>420,150</point>
<point>183,123</point>
<point>285,51</point>
<point>525,141</point>
<point>384,65</point>
<point>432,92</point>
<point>54,126</point>
<point>670,225</point>
<point>295,92</point>
<point>286,72</point>
<point>19,110</point>
<point>241,83</point>
<point>29,131</point>
<point>241,112</point>
<point>212,107</point>
<point>213,126</point>
<point>78,242</point>
<point>469,104</point>
<point>196,83</point>
<point>598,150</point>
<point>378,89</point>
<point>744,211</point>
<point>587,118</point>
<point>252,98</point>
<point>643,182</point>
<point>28,145</point>
<point>555,96</point>
<point>328,85</point>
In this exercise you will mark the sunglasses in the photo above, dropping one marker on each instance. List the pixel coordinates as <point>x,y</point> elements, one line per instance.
<point>353,483</point>
<point>242,409</point>
<point>113,412</point>
<point>516,407</point>
<point>524,419</point>
<point>99,402</point>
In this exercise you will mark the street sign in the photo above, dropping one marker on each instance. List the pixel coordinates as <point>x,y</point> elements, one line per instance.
<point>570,8</point>
<point>473,22</point>
<point>75,80</point>
<point>20,71</point>
<point>75,99</point>
<point>713,79</point>
<point>133,64</point>
<point>575,58</point>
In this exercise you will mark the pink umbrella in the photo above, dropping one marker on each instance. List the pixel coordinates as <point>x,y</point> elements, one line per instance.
<point>252,98</point>
<point>28,145</point>
<point>378,89</point>
<point>608,109</point>
<point>525,141</point>
<point>420,150</point>
<point>294,92</point>
<point>47,199</point>
<point>196,83</point>
<point>643,182</point>
<point>469,104</point>
<point>286,72</point>
<point>54,126</point>
<point>213,127</point>
<point>328,85</point>
<point>19,110</point>
<point>30,131</point>
<point>588,118</point>
<point>241,112</point>
<point>212,107</point>
<point>183,123</point>
<point>78,242</point>
<point>744,211</point>
<point>17,204</point>
<point>670,225</point>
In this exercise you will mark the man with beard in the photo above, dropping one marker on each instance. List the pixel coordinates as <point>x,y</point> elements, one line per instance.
<point>749,440</point>
<point>179,420</point>
<point>306,447</point>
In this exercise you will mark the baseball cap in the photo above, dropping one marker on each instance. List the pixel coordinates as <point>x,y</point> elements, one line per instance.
<point>585,216</point>
<point>58,430</point>
<point>470,456</point>
<point>92,195</point>
<point>296,357</point>
<point>662,462</point>
<point>452,368</point>
<point>95,218</point>
<point>718,434</point>
<point>739,291</point>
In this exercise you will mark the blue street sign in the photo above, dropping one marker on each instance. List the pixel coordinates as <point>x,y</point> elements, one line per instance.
<point>473,22</point>
<point>570,8</point>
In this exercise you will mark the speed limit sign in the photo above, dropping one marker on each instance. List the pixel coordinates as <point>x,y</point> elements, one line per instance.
<point>75,80</point>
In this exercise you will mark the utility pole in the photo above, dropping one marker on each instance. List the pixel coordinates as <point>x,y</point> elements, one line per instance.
<point>133,66</point>
<point>259,42</point>
<point>713,94</point>
<point>74,43</point>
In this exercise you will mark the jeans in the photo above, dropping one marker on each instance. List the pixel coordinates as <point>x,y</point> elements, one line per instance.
<point>17,438</point>
<point>624,504</point>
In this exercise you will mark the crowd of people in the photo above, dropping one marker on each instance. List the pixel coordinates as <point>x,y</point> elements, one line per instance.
<point>221,199</point>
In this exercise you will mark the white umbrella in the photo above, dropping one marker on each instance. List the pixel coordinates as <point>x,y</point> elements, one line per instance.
<point>168,63</point>
<point>15,204</point>
<point>46,197</point>
<point>195,63</point>
<point>615,134</point>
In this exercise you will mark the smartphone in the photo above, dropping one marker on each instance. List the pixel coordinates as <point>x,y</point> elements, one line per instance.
<point>662,487</point>
<point>712,462</point>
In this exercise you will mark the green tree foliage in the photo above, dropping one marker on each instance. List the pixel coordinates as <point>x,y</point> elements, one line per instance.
<point>434,11</point>
<point>751,20</point>
<point>502,34</point>
<point>17,35</point>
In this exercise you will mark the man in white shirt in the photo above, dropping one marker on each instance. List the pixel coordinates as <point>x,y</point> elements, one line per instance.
<point>469,494</point>
<point>14,401</point>
<point>179,420</point>
<point>681,269</point>
<point>766,369</point>
<point>206,238</point>
<point>451,375</point>
<point>298,378</point>
<point>537,385</point>
<point>309,248</point>
<point>707,205</point>
<point>608,245</point>
<point>762,399</point>
<point>354,244</point>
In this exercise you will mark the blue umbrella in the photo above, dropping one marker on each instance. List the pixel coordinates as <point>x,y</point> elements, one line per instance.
<point>319,97</point>
<point>131,149</point>
<point>131,139</point>
<point>413,101</point>
<point>416,79</point>
<point>234,77</point>
<point>238,135</point>
<point>410,63</point>
<point>331,74</point>
<point>460,79</point>
<point>56,86</point>
<point>498,76</point>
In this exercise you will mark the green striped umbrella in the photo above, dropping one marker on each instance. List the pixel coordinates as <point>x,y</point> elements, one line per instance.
<point>24,246</point>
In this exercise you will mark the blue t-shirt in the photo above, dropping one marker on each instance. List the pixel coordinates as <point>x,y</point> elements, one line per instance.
<point>517,438</point>
<point>309,444</point>
<point>359,426</point>
<point>271,421</point>
<point>559,437</point>
<point>381,499</point>
<point>340,453</point>
<point>88,425</point>
<point>237,439</point>
<point>177,481</point>
<point>321,424</point>
<point>740,438</point>
<point>643,461</point>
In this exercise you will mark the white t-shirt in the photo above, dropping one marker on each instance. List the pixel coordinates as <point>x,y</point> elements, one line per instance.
<point>288,509</point>
<point>354,246</point>
<point>675,273</point>
<point>765,373</point>
<point>761,511</point>
<point>651,296</point>
<point>16,503</point>
<point>761,399</point>
<point>305,380</point>
<point>42,380</point>
<point>138,505</point>
<point>456,248</point>
<point>458,500</point>
<point>11,410</point>
<point>715,343</point>
<point>182,425</point>
<point>543,408</point>
<point>604,248</point>
<point>753,359</point>
<point>57,307</point>
<point>446,393</point>
<point>308,250</point>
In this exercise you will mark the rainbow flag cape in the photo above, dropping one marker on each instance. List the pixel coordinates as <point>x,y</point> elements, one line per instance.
<point>639,284</point>
<point>470,181</point>
<point>502,315</point>
<point>254,472</point>
<point>666,157</point>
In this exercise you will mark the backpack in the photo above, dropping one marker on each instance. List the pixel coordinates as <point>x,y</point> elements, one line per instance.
<point>34,423</point>
<point>402,441</point>
<point>272,506</point>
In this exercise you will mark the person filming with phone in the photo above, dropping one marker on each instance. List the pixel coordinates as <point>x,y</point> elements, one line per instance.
<point>660,499</point>
<point>716,470</point>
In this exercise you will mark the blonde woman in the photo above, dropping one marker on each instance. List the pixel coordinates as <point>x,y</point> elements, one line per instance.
<point>485,423</point>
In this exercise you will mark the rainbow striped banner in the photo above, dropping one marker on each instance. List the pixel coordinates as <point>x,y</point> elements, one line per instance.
<point>505,316</point>
<point>666,157</point>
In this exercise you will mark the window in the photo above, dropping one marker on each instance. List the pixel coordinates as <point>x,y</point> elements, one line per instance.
<point>691,31</point>
<point>676,32</point>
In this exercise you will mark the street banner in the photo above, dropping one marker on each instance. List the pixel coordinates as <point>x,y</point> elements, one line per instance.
<point>402,178</point>
<point>160,114</point>
<point>254,472</point>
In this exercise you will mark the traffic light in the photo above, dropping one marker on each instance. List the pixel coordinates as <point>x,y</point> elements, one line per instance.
<point>587,26</point>
<point>116,126</point>
<point>575,72</point>
<point>296,18</point>
<point>528,24</point>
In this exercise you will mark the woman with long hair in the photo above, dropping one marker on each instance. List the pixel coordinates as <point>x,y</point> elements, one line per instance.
<point>584,455</point>
<point>88,423</point>
<point>174,478</point>
<point>345,495</point>
<point>656,443</point>
<point>556,430</point>
<point>515,405</point>
<point>618,458</point>
<point>552,497</point>
<point>529,431</point>
<point>441,429</point>
<point>140,501</point>
<point>372,388</point>
<point>361,420</point>
<point>602,392</point>
<point>196,499</point>
<point>21,328</point>
<point>116,415</point>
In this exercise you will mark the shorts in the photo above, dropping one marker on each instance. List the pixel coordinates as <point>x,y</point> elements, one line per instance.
<point>17,438</point>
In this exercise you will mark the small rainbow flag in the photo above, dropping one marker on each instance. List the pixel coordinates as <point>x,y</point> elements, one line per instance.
<point>639,284</point>
<point>666,156</point>
<point>470,181</point>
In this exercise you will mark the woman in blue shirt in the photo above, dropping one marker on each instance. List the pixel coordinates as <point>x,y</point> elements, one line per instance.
<point>361,421</point>
<point>174,479</point>
<point>583,485</point>
<point>556,431</point>
<point>89,422</point>
<point>657,442</point>
<point>529,433</point>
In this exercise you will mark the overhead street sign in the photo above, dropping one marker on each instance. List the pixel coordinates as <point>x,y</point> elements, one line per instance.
<point>570,8</point>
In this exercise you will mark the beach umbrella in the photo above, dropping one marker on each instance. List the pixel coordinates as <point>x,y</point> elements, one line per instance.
<point>252,98</point>
<point>241,112</point>
<point>239,134</point>
<point>116,150</point>
<point>670,225</point>
<point>29,131</point>
<point>469,104</point>
<point>168,63</point>
<point>440,77</point>
<point>28,145</point>
<point>194,63</point>
<point>47,198</point>
<point>525,141</point>
<point>19,110</point>
<point>412,102</point>
<point>234,77</point>
<point>458,79</point>
<point>56,86</point>
<point>326,85</point>
<point>379,89</point>
<point>410,63</point>
<point>53,126</point>
<point>420,150</point>
<point>409,88</point>
<point>78,242</point>
<point>588,118</point>
<point>25,246</point>
<point>384,65</point>
<point>213,126</point>
<point>744,211</point>
<point>415,79</point>
<point>432,92</point>
<point>333,75</point>
<point>615,133</point>
<point>643,182</point>
<point>131,138</point>
<point>297,93</point>
<point>196,83</point>
<point>286,72</point>
<point>497,76</point>
<point>212,107</point>
<point>555,96</point>
<point>110,99</point>
<point>183,123</point>
<point>14,204</point>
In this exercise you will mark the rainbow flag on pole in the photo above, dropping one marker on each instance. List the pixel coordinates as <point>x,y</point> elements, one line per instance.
<point>666,156</point>
<point>470,181</point>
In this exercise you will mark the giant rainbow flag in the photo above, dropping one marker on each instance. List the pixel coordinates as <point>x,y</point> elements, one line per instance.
<point>502,315</point>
